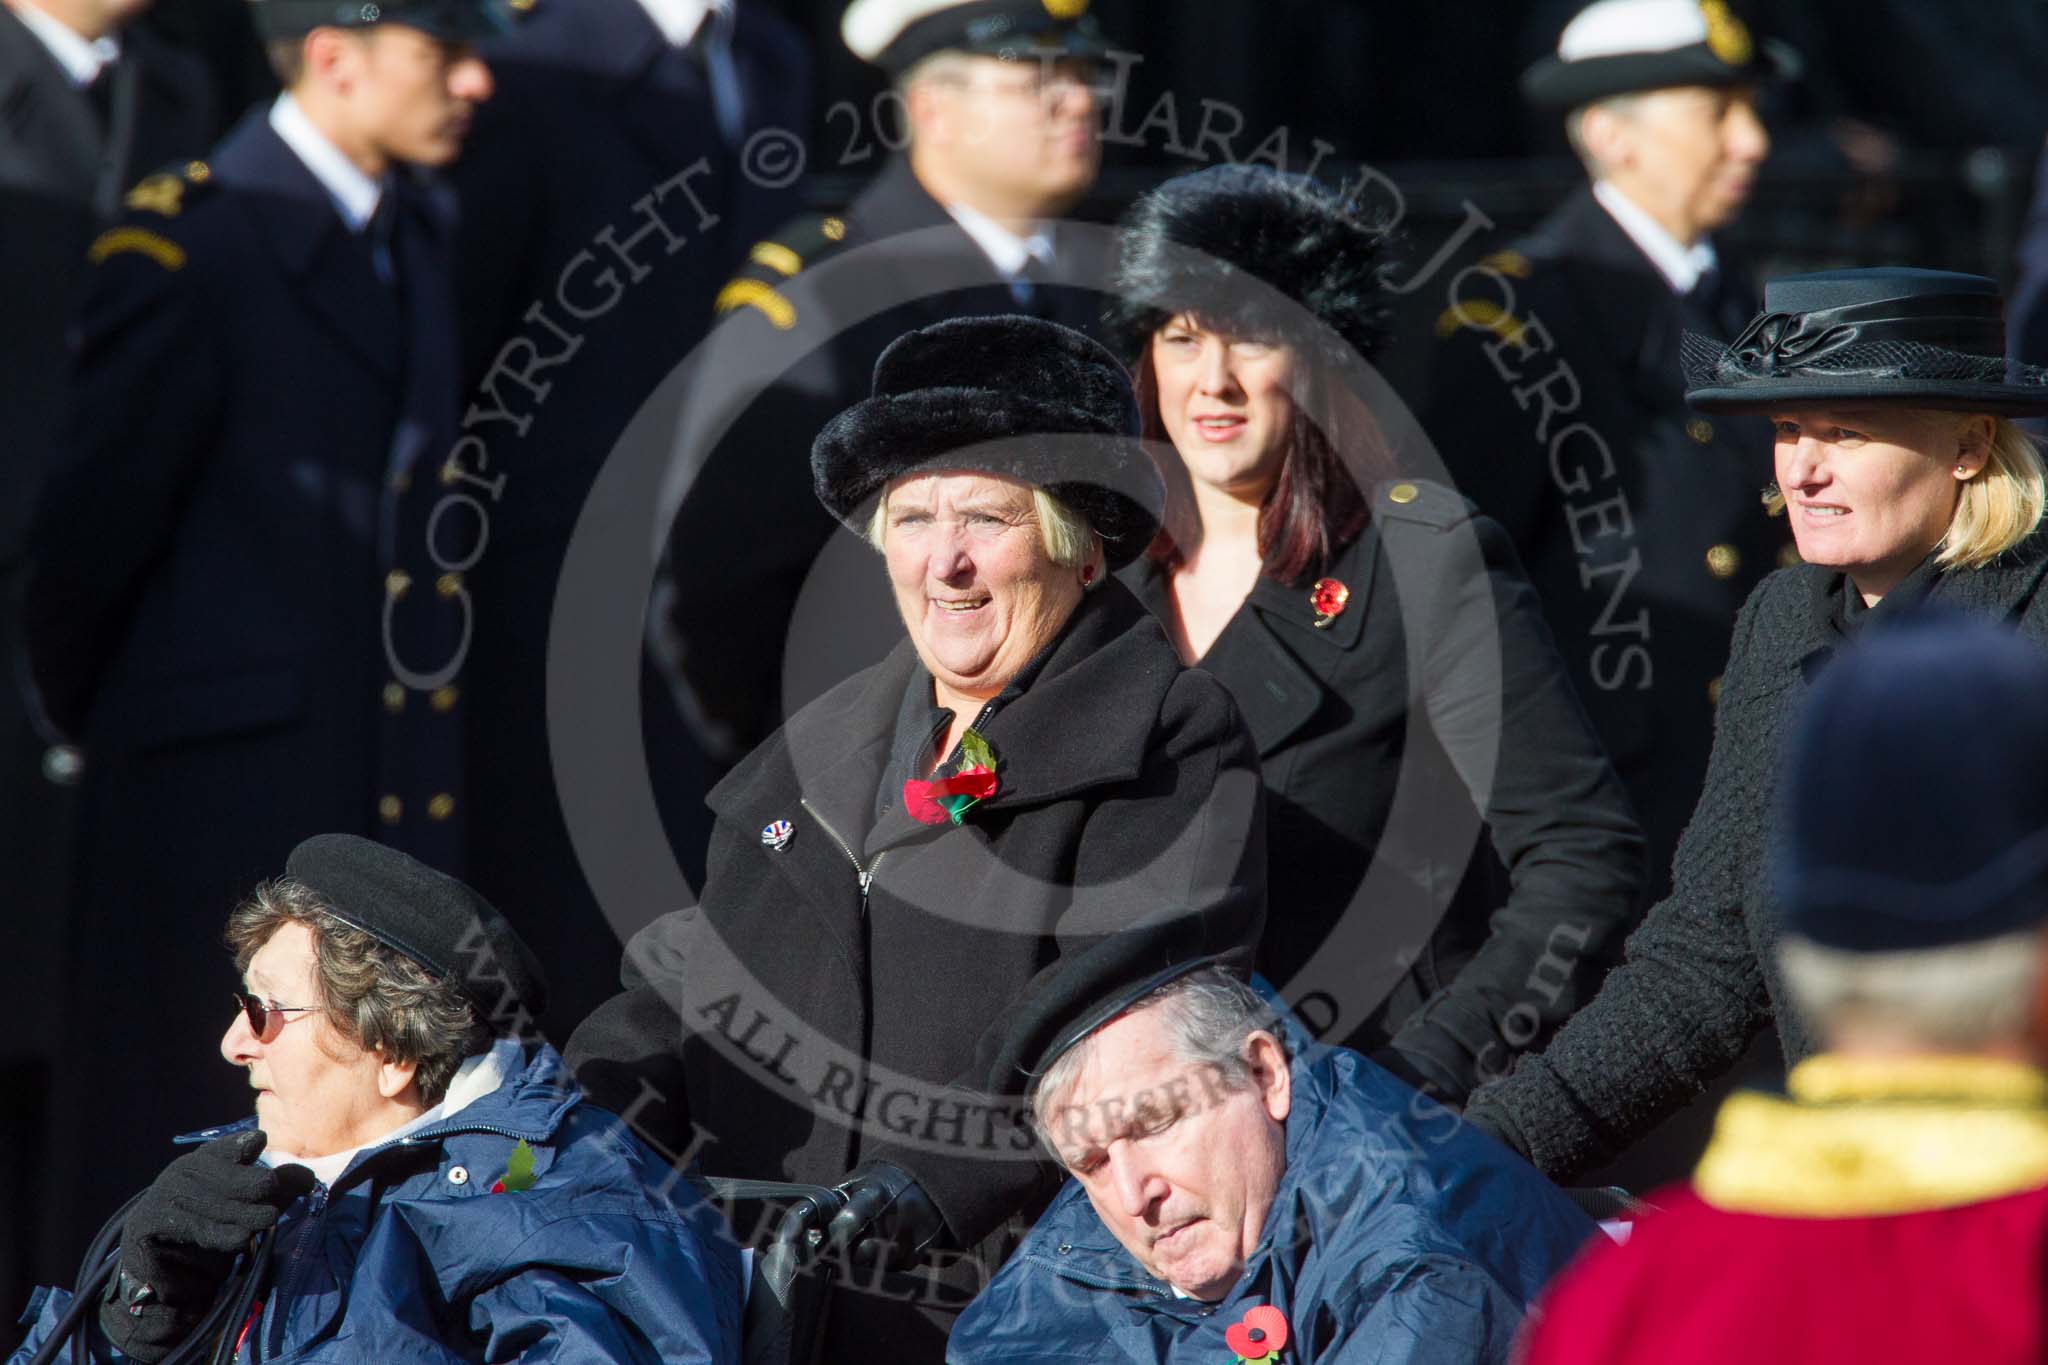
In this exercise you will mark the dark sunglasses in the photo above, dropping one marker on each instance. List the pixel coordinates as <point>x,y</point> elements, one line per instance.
<point>266,1017</point>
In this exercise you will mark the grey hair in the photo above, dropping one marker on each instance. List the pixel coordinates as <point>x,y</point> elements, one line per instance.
<point>1069,540</point>
<point>1623,105</point>
<point>371,995</point>
<point>1208,1015</point>
<point>1961,998</point>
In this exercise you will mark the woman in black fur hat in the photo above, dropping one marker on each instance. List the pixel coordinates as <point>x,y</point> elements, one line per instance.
<point>1905,482</point>
<point>917,881</point>
<point>1453,861</point>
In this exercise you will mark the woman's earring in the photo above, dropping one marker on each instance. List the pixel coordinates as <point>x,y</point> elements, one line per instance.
<point>1087,575</point>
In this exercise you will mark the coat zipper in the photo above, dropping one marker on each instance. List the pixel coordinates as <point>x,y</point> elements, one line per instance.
<point>284,1288</point>
<point>867,874</point>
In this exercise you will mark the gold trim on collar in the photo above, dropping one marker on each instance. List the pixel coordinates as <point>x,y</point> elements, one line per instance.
<point>1864,1137</point>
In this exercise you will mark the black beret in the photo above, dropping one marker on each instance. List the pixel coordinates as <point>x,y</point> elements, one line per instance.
<point>435,920</point>
<point>1009,395</point>
<point>1137,978</point>
<point>455,21</point>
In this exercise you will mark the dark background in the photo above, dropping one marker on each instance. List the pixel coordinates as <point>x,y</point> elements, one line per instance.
<point>1911,139</point>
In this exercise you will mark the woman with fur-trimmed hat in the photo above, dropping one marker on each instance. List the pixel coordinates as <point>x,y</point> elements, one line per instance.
<point>917,880</point>
<point>1905,482</point>
<point>1453,861</point>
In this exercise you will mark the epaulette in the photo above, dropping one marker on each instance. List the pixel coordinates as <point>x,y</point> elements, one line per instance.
<point>776,259</point>
<point>153,203</point>
<point>1418,500</point>
<point>1485,314</point>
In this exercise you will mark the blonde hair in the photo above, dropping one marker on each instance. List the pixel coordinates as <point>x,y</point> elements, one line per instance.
<point>1997,508</point>
<point>2001,506</point>
<point>1069,540</point>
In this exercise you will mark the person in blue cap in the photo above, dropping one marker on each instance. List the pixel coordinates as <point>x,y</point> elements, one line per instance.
<point>427,1184</point>
<point>1905,481</point>
<point>1239,1191</point>
<point>234,604</point>
<point>1893,1205</point>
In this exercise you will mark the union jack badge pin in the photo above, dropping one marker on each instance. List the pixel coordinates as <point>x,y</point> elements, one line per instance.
<point>776,834</point>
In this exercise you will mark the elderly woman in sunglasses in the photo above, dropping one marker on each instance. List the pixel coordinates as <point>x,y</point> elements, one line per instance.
<point>436,1186</point>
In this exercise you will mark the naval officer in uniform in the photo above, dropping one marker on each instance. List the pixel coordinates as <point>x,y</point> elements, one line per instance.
<point>240,602</point>
<point>1558,402</point>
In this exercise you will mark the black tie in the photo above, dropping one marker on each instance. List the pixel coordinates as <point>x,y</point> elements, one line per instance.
<point>99,93</point>
<point>380,232</point>
<point>1027,286</point>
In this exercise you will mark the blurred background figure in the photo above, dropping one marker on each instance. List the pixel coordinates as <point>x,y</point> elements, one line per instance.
<point>233,605</point>
<point>999,111</point>
<point>89,102</point>
<point>1894,1206</point>
<point>1559,402</point>
<point>604,201</point>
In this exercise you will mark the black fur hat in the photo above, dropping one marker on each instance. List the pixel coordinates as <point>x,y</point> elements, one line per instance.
<point>1010,395</point>
<point>1306,241</point>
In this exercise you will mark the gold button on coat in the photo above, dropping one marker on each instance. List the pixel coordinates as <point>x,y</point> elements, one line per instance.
<point>396,582</point>
<point>394,697</point>
<point>390,809</point>
<point>1403,493</point>
<point>443,699</point>
<point>1723,561</point>
<point>448,584</point>
<point>1700,429</point>
<point>441,807</point>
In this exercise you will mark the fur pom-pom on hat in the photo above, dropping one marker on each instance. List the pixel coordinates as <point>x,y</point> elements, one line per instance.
<point>1011,395</point>
<point>1206,242</point>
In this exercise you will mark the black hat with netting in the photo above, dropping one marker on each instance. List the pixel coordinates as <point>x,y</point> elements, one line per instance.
<point>1884,337</point>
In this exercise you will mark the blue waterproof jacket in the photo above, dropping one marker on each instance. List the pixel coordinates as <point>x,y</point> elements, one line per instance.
<point>408,1256</point>
<point>1400,1235</point>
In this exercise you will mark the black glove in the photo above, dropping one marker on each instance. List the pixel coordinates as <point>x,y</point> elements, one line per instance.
<point>180,1240</point>
<point>888,1220</point>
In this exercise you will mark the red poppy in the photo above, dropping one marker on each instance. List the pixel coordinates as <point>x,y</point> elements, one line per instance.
<point>1327,598</point>
<point>946,799</point>
<point>1261,1336</point>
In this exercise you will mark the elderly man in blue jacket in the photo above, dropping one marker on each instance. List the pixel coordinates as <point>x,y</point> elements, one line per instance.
<point>417,1182</point>
<point>1241,1193</point>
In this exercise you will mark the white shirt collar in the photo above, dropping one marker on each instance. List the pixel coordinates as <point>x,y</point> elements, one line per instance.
<point>81,57</point>
<point>355,195</point>
<point>477,1077</point>
<point>1681,266</point>
<point>679,20</point>
<point>1005,249</point>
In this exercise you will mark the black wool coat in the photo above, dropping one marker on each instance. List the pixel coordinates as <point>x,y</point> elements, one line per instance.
<point>864,989</point>
<point>1426,761</point>
<point>1701,976</point>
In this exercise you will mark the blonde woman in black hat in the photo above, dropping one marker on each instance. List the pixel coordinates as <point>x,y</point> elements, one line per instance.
<point>915,881</point>
<point>1905,481</point>
<point>1453,860</point>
